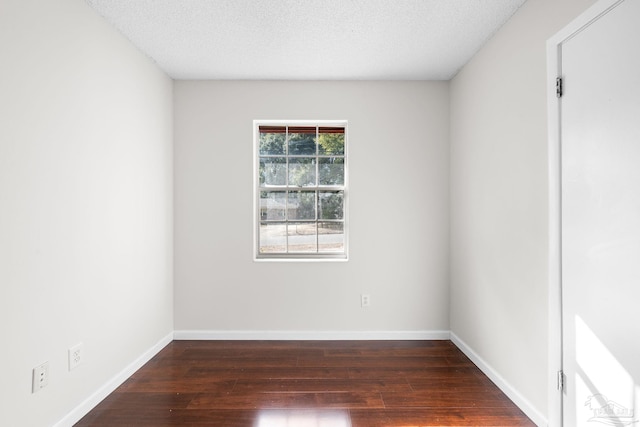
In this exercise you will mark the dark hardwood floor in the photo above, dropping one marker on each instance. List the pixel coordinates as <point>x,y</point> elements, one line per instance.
<point>308,383</point>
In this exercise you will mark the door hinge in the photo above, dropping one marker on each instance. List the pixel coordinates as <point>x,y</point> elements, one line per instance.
<point>559,87</point>
<point>561,380</point>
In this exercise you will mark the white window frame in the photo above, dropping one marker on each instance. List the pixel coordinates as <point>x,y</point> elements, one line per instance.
<point>299,256</point>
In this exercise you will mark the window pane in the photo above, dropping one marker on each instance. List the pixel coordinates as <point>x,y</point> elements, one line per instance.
<point>331,141</point>
<point>330,204</point>
<point>302,237</point>
<point>273,238</point>
<point>302,141</point>
<point>272,140</point>
<point>330,236</point>
<point>302,171</point>
<point>272,205</point>
<point>301,205</point>
<point>331,171</point>
<point>273,171</point>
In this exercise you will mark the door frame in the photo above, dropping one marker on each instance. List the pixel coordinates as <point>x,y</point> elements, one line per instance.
<point>554,121</point>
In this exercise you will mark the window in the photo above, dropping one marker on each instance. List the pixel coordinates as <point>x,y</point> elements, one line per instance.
<point>300,190</point>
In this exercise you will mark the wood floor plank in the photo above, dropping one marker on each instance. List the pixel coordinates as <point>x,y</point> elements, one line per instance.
<point>320,385</point>
<point>454,379</point>
<point>430,417</point>
<point>373,362</point>
<point>400,371</point>
<point>360,383</point>
<point>399,349</point>
<point>451,399</point>
<point>199,357</point>
<point>179,385</point>
<point>267,373</point>
<point>303,400</point>
<point>123,408</point>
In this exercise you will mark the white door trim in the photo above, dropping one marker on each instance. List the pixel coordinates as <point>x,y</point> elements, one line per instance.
<point>554,70</point>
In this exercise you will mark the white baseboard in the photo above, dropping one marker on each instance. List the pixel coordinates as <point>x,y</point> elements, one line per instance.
<point>536,416</point>
<point>92,401</point>
<point>310,335</point>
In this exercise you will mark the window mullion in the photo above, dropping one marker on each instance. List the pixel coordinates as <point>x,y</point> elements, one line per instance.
<point>317,195</point>
<point>286,191</point>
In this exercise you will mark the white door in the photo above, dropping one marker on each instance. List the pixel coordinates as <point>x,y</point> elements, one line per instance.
<point>600,220</point>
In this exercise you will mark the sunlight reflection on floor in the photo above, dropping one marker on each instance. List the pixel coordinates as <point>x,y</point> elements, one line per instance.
<point>303,418</point>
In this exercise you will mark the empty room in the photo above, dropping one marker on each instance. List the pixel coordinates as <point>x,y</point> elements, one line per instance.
<point>278,213</point>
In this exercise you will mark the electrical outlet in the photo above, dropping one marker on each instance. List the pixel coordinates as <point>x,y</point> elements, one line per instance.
<point>365,300</point>
<point>40,377</point>
<point>76,356</point>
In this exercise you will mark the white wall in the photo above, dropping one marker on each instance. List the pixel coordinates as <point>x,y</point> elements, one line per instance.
<point>398,148</point>
<point>499,198</point>
<point>85,205</point>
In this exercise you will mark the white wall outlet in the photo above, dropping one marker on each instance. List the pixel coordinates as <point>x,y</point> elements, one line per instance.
<point>40,377</point>
<point>365,300</point>
<point>76,356</point>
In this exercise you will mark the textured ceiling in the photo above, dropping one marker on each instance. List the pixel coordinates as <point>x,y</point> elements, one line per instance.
<point>309,39</point>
